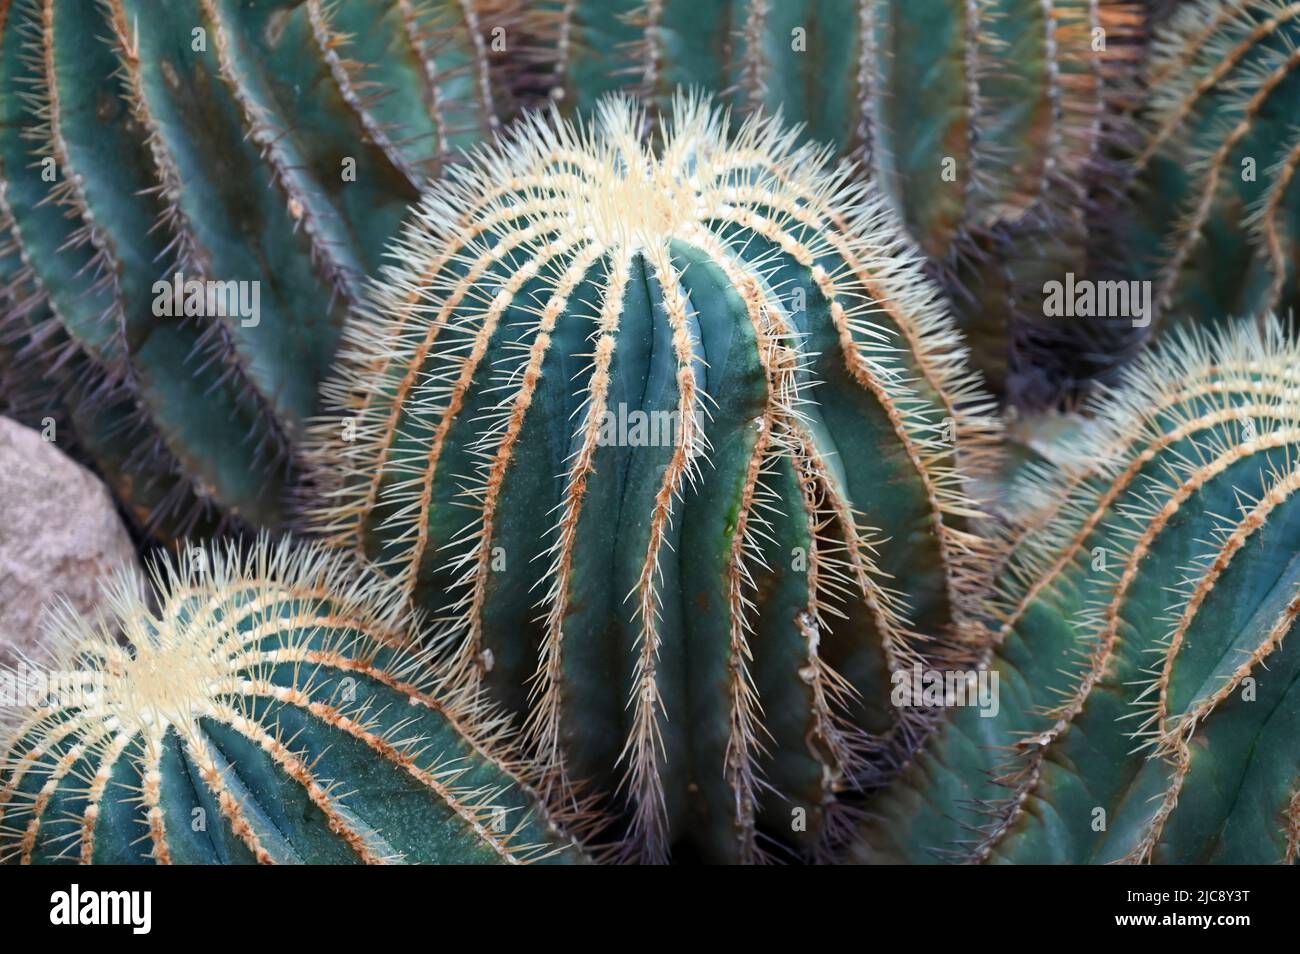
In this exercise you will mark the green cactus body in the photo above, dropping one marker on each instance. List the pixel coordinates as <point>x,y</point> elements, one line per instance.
<point>589,49</point>
<point>419,74</point>
<point>247,145</point>
<point>1005,89</point>
<point>674,446</point>
<point>56,376</point>
<point>1147,684</point>
<point>25,394</point>
<point>271,710</point>
<point>1217,190</point>
<point>1023,124</point>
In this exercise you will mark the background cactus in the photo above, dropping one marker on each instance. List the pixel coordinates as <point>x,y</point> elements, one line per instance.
<point>1141,629</point>
<point>674,445</point>
<point>272,143</point>
<point>272,709</point>
<point>992,126</point>
<point>1217,201</point>
<point>662,420</point>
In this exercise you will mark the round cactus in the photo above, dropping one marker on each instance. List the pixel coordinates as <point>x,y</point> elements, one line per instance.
<point>1146,670</point>
<point>673,445</point>
<point>272,709</point>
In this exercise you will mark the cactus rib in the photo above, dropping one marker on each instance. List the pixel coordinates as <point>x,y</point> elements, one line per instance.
<point>1219,161</point>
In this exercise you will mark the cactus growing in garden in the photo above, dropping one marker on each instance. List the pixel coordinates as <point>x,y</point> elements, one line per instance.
<point>667,441</point>
<point>267,150</point>
<point>271,709</point>
<point>1142,628</point>
<point>1217,198</point>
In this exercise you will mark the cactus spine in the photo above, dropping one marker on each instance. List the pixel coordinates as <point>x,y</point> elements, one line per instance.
<point>274,710</point>
<point>1147,707</point>
<point>797,529</point>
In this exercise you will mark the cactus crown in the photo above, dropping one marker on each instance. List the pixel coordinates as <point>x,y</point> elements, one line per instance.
<point>1141,629</point>
<point>271,709</point>
<point>1013,90</point>
<point>818,426</point>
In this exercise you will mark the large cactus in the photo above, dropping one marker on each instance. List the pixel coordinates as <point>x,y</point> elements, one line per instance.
<point>271,709</point>
<point>272,145</point>
<point>1218,194</point>
<point>1147,682</point>
<point>674,444</point>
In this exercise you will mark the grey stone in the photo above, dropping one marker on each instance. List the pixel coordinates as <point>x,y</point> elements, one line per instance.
<point>60,536</point>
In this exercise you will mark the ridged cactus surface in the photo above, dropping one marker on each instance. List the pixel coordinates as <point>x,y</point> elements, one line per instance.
<point>674,445</point>
<point>270,147</point>
<point>1218,194</point>
<point>1144,637</point>
<point>271,709</point>
<point>1056,121</point>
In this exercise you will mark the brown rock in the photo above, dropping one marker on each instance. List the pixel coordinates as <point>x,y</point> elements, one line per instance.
<point>59,536</point>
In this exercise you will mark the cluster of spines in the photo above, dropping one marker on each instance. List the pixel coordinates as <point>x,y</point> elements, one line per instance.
<point>994,126</point>
<point>258,674</point>
<point>542,235</point>
<point>1116,695</point>
<point>1223,80</point>
<point>149,121</point>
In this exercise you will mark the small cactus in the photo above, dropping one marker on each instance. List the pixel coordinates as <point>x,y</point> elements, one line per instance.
<point>1144,639</point>
<point>265,149</point>
<point>674,446</point>
<point>272,709</point>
